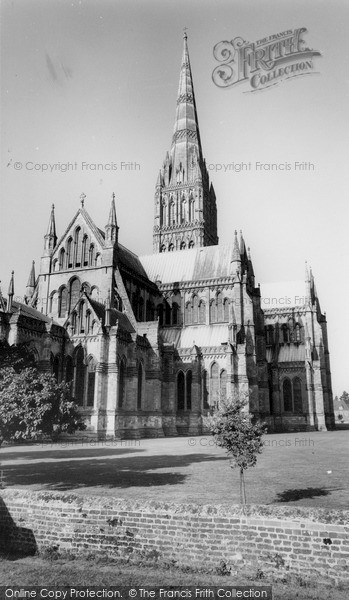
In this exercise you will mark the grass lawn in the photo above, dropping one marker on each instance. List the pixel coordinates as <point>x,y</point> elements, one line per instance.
<point>301,469</point>
<point>41,572</point>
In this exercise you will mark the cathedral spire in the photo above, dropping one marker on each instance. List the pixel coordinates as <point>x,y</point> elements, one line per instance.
<point>11,292</point>
<point>185,202</point>
<point>51,236</point>
<point>236,250</point>
<point>31,282</point>
<point>111,228</point>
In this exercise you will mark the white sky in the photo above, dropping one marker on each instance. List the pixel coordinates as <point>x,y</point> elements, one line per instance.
<point>96,81</point>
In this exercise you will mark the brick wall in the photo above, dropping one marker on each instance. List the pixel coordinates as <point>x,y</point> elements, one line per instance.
<point>310,542</point>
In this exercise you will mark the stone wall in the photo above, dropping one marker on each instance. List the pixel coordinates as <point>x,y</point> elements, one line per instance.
<point>309,542</point>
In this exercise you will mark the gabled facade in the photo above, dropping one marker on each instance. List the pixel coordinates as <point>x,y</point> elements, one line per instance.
<point>149,344</point>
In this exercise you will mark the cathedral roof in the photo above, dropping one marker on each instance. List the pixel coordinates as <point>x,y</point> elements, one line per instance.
<point>207,336</point>
<point>194,264</point>
<point>29,311</point>
<point>115,316</point>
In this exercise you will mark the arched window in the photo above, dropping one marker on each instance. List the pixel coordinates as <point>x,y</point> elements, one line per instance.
<point>171,248</point>
<point>88,322</point>
<point>183,246</point>
<point>202,312</point>
<point>98,260</point>
<point>163,248</point>
<point>74,292</point>
<point>188,313</point>
<point>219,301</point>
<point>172,214</point>
<point>297,395</point>
<point>140,387</point>
<point>223,385</point>
<point>55,265</point>
<point>84,255</point>
<point>205,392</point>
<point>69,369</point>
<point>226,310</point>
<point>63,302</point>
<point>285,334</point>
<point>61,259</point>
<point>214,391</point>
<point>167,314</point>
<point>183,210</point>
<point>160,311</point>
<point>80,375</point>
<point>141,309</point>
<point>298,332</point>
<point>191,210</point>
<point>91,381</point>
<point>195,309</point>
<point>55,364</point>
<point>82,317</point>
<point>270,335</point>
<point>74,323</point>
<point>287,394</point>
<point>77,247</point>
<point>213,312</point>
<point>188,390</point>
<point>53,302</point>
<point>69,253</point>
<point>191,244</point>
<point>175,311</point>
<point>180,391</point>
<point>91,255</point>
<point>122,384</point>
<point>149,311</point>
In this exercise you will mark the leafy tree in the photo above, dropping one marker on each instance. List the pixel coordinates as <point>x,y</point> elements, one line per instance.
<point>345,397</point>
<point>235,430</point>
<point>32,404</point>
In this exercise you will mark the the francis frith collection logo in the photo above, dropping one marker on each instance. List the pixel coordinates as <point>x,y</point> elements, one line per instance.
<point>263,63</point>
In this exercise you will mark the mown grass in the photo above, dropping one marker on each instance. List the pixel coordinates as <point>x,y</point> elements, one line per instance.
<point>71,571</point>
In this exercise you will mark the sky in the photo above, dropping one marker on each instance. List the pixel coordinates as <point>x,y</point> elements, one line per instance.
<point>95,82</point>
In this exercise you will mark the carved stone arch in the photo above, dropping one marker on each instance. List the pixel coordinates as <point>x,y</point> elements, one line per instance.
<point>180,379</point>
<point>79,358</point>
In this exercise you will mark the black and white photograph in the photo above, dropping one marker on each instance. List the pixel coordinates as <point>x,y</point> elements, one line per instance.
<point>174,382</point>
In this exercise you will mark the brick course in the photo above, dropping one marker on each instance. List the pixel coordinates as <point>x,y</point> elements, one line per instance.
<point>269,538</point>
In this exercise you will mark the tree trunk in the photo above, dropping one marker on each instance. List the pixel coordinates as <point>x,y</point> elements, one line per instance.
<point>242,487</point>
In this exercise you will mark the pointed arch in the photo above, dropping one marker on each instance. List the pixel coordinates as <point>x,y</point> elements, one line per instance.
<point>91,255</point>
<point>188,391</point>
<point>77,247</point>
<point>223,386</point>
<point>195,303</point>
<point>175,313</point>
<point>91,381</point>
<point>297,395</point>
<point>180,391</point>
<point>140,386</point>
<point>55,366</point>
<point>69,369</point>
<point>63,302</point>
<point>205,391</point>
<point>61,260</point>
<point>219,301</point>
<point>213,312</point>
<point>214,385</point>
<point>122,383</point>
<point>226,310</point>
<point>74,294</point>
<point>69,256</point>
<point>188,313</point>
<point>202,312</point>
<point>287,395</point>
<point>84,254</point>
<point>80,376</point>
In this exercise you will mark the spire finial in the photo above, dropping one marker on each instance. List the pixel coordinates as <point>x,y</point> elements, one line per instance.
<point>113,196</point>
<point>82,199</point>
<point>185,29</point>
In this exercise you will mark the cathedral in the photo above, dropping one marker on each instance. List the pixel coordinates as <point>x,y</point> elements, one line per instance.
<point>150,344</point>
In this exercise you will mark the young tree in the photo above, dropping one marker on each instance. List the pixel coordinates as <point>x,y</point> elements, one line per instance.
<point>32,404</point>
<point>234,429</point>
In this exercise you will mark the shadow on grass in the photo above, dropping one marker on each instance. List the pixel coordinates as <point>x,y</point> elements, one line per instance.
<point>300,494</point>
<point>103,470</point>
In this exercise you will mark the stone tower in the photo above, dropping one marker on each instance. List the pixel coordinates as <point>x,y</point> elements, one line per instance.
<point>185,201</point>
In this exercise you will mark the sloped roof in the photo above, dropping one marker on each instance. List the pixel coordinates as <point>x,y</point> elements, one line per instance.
<point>194,264</point>
<point>95,230</point>
<point>131,261</point>
<point>115,315</point>
<point>29,311</point>
<point>288,353</point>
<point>204,336</point>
